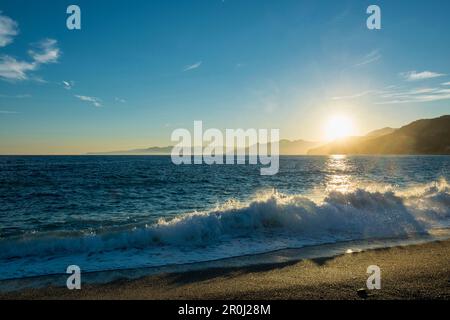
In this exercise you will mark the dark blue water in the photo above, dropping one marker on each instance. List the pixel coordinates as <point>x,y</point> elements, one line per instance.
<point>107,212</point>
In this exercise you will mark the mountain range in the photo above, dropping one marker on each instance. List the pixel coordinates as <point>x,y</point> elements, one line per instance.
<point>287,147</point>
<point>425,136</point>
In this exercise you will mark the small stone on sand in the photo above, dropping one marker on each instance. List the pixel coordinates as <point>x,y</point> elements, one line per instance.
<point>362,293</point>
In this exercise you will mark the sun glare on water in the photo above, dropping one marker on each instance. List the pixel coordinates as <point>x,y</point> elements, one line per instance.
<point>338,127</point>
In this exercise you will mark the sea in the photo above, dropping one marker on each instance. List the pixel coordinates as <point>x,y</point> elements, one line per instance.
<point>126,212</point>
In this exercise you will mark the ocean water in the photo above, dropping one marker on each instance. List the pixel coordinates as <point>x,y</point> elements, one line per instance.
<point>118,212</point>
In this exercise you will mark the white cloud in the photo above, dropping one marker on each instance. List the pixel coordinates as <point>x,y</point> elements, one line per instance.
<point>17,96</point>
<point>402,95</point>
<point>8,112</point>
<point>14,70</point>
<point>38,79</point>
<point>48,52</point>
<point>406,93</point>
<point>95,101</point>
<point>120,100</point>
<point>353,96</point>
<point>443,91</point>
<point>422,98</point>
<point>8,30</point>
<point>193,66</point>
<point>416,76</point>
<point>371,57</point>
<point>416,95</point>
<point>68,84</point>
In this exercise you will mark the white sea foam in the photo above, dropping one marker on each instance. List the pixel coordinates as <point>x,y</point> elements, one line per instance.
<point>372,212</point>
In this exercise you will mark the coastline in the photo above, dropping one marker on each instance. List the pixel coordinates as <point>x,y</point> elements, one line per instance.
<point>417,271</point>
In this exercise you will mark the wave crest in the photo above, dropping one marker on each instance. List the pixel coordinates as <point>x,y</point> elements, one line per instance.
<point>357,214</point>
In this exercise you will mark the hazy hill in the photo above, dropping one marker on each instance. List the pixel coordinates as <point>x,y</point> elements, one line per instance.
<point>381,132</point>
<point>287,147</point>
<point>146,151</point>
<point>296,147</point>
<point>428,136</point>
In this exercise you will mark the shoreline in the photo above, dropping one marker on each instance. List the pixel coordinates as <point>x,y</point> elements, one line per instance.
<point>415,271</point>
<point>294,254</point>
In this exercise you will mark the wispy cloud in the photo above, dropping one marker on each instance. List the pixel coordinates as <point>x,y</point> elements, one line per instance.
<point>43,52</point>
<point>95,101</point>
<point>15,70</point>
<point>192,66</point>
<point>117,99</point>
<point>46,52</point>
<point>17,96</point>
<point>353,96</point>
<point>8,30</point>
<point>371,57</point>
<point>8,112</point>
<point>38,79</point>
<point>395,94</point>
<point>415,95</point>
<point>12,69</point>
<point>446,84</point>
<point>416,76</point>
<point>68,84</point>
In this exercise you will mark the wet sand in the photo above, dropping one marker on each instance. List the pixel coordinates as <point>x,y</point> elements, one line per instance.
<point>407,272</point>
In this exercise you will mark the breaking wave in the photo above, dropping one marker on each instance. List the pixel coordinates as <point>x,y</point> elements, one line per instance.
<point>361,213</point>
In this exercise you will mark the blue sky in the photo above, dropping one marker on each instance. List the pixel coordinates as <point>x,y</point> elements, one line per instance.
<point>137,70</point>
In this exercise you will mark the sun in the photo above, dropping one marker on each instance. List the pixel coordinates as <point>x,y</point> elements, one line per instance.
<point>339,126</point>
